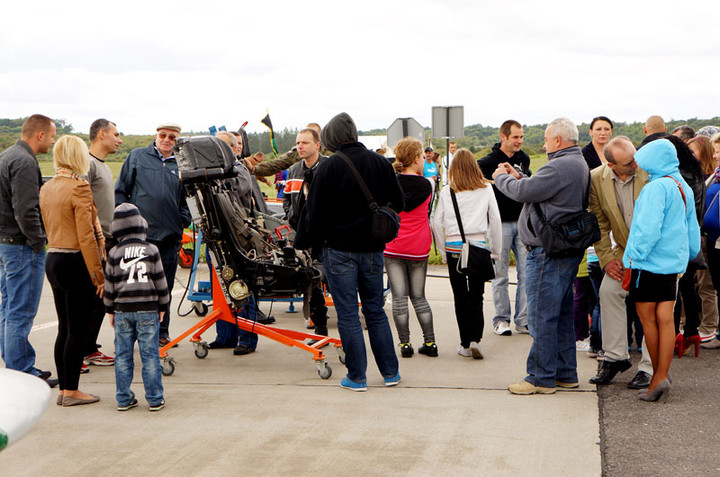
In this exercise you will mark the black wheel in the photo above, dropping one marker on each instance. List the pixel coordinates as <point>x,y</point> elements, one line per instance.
<point>341,355</point>
<point>201,309</point>
<point>325,371</point>
<point>168,367</point>
<point>201,350</point>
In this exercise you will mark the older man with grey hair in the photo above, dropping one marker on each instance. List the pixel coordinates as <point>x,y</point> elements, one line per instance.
<point>559,188</point>
<point>149,180</point>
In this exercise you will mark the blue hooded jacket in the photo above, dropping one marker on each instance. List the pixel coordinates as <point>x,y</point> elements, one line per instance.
<point>664,234</point>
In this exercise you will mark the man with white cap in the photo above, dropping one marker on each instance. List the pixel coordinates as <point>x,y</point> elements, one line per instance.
<point>149,180</point>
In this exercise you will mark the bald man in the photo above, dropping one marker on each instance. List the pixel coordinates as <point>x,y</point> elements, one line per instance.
<point>654,128</point>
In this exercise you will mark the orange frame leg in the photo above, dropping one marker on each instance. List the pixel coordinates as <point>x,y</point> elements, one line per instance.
<point>222,311</point>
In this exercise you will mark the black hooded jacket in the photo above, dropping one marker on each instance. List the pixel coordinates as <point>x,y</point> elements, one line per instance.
<point>509,209</point>
<point>337,215</point>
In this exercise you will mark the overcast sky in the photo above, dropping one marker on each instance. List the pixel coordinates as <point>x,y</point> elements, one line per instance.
<point>224,63</point>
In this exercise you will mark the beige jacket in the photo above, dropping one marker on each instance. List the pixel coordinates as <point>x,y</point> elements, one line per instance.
<point>604,205</point>
<point>69,214</point>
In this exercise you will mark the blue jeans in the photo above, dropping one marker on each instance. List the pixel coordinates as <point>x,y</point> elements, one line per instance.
<point>22,272</point>
<point>552,355</point>
<point>407,279</point>
<point>350,273</point>
<point>228,334</point>
<point>501,297</point>
<point>144,327</point>
<point>247,338</point>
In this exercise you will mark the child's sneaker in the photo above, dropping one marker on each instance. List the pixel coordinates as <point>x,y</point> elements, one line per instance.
<point>157,407</point>
<point>428,349</point>
<point>406,350</point>
<point>348,383</point>
<point>128,406</point>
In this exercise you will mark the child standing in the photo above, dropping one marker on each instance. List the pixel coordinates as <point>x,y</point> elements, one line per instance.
<point>136,298</point>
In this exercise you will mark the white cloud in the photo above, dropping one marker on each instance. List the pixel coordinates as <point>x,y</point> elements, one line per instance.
<point>139,63</point>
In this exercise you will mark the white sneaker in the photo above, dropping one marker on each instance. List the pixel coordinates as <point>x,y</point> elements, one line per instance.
<point>713,344</point>
<point>465,352</point>
<point>475,350</point>
<point>502,329</point>
<point>523,330</point>
<point>582,345</point>
<point>706,338</point>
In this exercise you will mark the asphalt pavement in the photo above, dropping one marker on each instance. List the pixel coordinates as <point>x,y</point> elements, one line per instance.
<point>269,413</point>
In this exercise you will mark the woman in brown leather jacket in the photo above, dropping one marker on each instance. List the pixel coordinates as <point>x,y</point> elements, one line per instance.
<point>73,264</point>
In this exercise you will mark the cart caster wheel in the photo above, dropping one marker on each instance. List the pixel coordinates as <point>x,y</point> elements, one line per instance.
<point>324,370</point>
<point>168,366</point>
<point>201,309</point>
<point>186,257</point>
<point>201,350</point>
<point>341,354</point>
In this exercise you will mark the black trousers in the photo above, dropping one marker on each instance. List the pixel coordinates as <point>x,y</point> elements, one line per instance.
<point>73,291</point>
<point>468,296</point>
<point>169,256</point>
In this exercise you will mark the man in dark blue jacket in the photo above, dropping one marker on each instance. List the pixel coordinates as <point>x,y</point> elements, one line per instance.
<point>149,180</point>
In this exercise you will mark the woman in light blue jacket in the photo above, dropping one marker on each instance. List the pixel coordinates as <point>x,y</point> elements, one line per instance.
<point>664,235</point>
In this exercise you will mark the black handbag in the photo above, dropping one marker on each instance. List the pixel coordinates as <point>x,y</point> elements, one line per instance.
<point>570,236</point>
<point>474,261</point>
<point>385,221</point>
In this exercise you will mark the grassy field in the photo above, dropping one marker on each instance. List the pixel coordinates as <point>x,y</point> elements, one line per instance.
<point>47,169</point>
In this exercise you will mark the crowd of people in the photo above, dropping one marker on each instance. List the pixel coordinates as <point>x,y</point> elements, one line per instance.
<point>111,247</point>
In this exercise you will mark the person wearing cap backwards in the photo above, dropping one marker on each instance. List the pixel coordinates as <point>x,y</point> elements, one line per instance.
<point>149,180</point>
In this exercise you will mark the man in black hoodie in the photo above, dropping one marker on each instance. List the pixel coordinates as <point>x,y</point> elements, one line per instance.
<point>508,150</point>
<point>336,223</point>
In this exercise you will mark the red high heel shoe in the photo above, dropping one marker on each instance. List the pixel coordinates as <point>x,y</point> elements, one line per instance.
<point>687,342</point>
<point>679,345</point>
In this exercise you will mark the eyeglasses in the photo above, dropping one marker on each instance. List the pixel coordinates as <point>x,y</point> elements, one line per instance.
<point>163,135</point>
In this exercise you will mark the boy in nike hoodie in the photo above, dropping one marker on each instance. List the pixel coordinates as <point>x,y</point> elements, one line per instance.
<point>136,299</point>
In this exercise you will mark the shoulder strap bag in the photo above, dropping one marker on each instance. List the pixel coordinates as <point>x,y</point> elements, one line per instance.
<point>385,221</point>
<point>573,234</point>
<point>474,261</point>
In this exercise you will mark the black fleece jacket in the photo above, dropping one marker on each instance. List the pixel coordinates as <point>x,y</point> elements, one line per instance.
<point>509,209</point>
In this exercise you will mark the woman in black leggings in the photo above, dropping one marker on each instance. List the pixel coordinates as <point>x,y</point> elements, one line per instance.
<point>73,264</point>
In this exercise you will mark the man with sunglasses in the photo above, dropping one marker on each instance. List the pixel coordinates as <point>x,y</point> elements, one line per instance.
<point>149,180</point>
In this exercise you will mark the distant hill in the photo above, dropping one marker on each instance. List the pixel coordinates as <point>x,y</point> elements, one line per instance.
<point>478,138</point>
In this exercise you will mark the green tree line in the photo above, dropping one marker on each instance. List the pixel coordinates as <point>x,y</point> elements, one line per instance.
<point>478,138</point>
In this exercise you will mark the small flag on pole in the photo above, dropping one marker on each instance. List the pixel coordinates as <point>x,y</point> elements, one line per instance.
<point>266,121</point>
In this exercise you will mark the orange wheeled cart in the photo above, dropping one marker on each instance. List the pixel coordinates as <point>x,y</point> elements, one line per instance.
<point>249,253</point>
<point>222,311</point>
